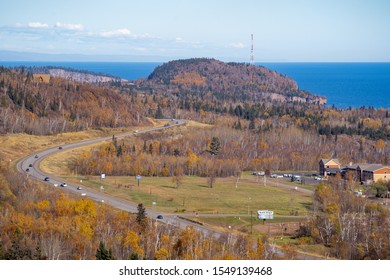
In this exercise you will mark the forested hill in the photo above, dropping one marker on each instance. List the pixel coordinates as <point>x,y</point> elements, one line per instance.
<point>237,81</point>
<point>61,105</point>
<point>83,76</point>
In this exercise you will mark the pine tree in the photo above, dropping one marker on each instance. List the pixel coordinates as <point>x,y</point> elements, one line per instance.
<point>141,214</point>
<point>38,253</point>
<point>144,147</point>
<point>102,253</point>
<point>1,251</point>
<point>159,114</point>
<point>215,146</point>
<point>252,125</point>
<point>134,257</point>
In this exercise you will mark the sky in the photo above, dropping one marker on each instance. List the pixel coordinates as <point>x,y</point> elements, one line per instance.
<point>283,30</point>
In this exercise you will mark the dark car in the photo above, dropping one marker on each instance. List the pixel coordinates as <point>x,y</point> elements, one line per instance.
<point>36,156</point>
<point>30,165</point>
<point>60,148</point>
<point>160,217</point>
<point>46,179</point>
<point>28,169</point>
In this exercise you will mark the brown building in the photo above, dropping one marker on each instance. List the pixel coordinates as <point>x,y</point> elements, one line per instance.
<point>329,166</point>
<point>368,172</point>
<point>375,172</point>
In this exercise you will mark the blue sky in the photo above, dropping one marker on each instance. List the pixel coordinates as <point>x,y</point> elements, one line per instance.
<point>294,30</point>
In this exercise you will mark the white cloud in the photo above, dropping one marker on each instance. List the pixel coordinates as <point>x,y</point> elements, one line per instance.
<point>123,32</point>
<point>237,45</point>
<point>69,26</point>
<point>37,25</point>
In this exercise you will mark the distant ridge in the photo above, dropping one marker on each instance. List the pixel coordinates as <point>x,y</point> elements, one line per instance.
<point>242,81</point>
<point>72,74</point>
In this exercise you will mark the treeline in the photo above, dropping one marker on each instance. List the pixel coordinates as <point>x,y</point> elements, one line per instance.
<point>166,154</point>
<point>62,105</point>
<point>352,227</point>
<point>37,222</point>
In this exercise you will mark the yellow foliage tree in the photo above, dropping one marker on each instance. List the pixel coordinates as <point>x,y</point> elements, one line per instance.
<point>131,241</point>
<point>162,254</point>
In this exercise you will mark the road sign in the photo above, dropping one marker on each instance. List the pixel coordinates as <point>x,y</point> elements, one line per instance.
<point>138,177</point>
<point>265,214</point>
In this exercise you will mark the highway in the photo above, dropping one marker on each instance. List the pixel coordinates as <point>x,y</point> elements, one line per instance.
<point>32,162</point>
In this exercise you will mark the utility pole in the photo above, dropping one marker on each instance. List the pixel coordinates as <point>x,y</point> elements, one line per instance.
<point>251,221</point>
<point>252,61</point>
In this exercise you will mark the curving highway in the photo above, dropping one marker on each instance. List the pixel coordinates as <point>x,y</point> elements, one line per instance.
<point>30,166</point>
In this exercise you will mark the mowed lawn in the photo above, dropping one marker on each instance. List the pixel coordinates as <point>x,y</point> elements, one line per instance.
<point>194,195</point>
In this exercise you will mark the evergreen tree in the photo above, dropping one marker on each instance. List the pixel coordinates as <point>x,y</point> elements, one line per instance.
<point>252,125</point>
<point>141,214</point>
<point>19,249</point>
<point>38,253</point>
<point>144,147</point>
<point>102,253</point>
<point>134,256</point>
<point>1,251</point>
<point>119,151</point>
<point>215,146</point>
<point>159,114</point>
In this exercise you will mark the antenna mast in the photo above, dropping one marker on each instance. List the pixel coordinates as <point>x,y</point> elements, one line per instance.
<point>252,56</point>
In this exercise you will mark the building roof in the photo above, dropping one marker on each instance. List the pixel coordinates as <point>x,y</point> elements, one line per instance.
<point>326,160</point>
<point>373,167</point>
<point>352,167</point>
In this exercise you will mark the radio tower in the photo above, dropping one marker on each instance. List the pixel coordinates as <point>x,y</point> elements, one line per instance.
<point>252,56</point>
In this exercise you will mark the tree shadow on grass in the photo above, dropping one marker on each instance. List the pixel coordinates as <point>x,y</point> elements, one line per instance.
<point>307,205</point>
<point>204,186</point>
<point>169,187</point>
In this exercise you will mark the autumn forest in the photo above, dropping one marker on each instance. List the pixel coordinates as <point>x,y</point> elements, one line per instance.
<point>252,119</point>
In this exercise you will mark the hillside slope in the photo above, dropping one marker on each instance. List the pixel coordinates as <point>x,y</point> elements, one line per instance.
<point>240,81</point>
<point>61,105</point>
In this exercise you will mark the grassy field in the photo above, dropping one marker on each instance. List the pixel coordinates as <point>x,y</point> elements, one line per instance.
<point>247,224</point>
<point>195,196</point>
<point>16,146</point>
